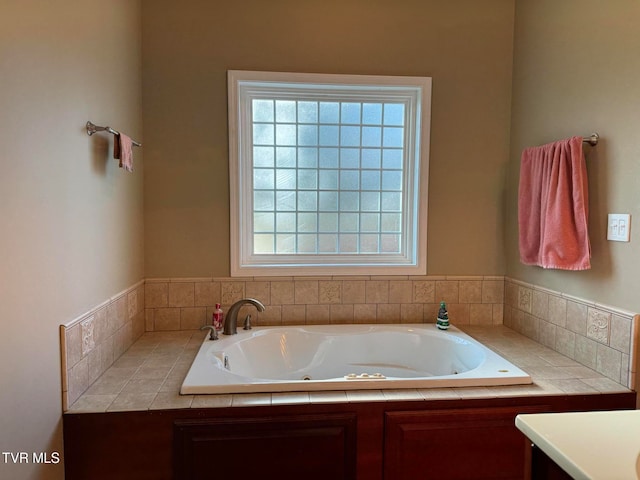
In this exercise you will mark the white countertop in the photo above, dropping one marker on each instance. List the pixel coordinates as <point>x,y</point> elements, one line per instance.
<point>588,445</point>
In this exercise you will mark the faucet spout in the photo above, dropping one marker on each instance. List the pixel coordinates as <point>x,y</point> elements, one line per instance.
<point>231,319</point>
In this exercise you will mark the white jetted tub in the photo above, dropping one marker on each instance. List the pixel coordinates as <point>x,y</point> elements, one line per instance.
<point>345,357</point>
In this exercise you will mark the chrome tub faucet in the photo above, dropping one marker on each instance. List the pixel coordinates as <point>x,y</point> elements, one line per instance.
<point>231,318</point>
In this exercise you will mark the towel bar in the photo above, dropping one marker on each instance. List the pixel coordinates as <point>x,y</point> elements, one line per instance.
<point>91,129</point>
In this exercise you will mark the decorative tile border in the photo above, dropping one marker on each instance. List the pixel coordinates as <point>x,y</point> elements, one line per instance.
<point>92,342</point>
<point>601,337</point>
<point>178,304</point>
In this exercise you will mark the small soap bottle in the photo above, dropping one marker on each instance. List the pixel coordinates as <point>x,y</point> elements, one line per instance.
<point>218,317</point>
<point>443,317</point>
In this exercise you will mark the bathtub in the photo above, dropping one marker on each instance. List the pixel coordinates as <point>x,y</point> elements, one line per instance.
<point>345,357</point>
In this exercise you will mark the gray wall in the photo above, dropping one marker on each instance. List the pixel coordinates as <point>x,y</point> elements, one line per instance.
<point>72,221</point>
<point>188,46</point>
<point>576,70</point>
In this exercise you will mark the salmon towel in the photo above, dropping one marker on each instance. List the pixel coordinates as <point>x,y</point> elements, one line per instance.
<point>553,206</point>
<point>123,150</point>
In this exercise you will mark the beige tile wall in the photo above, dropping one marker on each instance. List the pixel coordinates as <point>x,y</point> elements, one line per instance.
<point>600,337</point>
<point>178,304</point>
<point>92,342</point>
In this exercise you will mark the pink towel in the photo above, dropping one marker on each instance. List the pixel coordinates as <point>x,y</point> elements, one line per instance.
<point>553,206</point>
<point>123,150</point>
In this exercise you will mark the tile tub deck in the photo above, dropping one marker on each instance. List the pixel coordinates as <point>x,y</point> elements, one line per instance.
<point>148,376</point>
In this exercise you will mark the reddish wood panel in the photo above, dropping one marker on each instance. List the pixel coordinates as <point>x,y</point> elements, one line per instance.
<point>455,444</point>
<point>313,447</point>
<point>122,445</point>
<point>140,445</point>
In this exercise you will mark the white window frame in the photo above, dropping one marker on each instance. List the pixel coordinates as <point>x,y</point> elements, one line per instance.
<point>242,87</point>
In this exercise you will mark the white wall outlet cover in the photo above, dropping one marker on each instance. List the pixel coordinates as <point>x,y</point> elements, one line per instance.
<point>619,227</point>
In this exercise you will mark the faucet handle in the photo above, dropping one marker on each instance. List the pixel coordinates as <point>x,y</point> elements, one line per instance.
<point>247,322</point>
<point>213,334</point>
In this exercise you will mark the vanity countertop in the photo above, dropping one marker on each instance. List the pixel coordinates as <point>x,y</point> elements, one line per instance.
<point>148,376</point>
<point>588,445</point>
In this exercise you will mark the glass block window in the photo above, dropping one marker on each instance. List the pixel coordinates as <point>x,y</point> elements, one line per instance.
<point>328,173</point>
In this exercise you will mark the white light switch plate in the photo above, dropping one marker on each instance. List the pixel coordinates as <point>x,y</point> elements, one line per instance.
<point>619,227</point>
